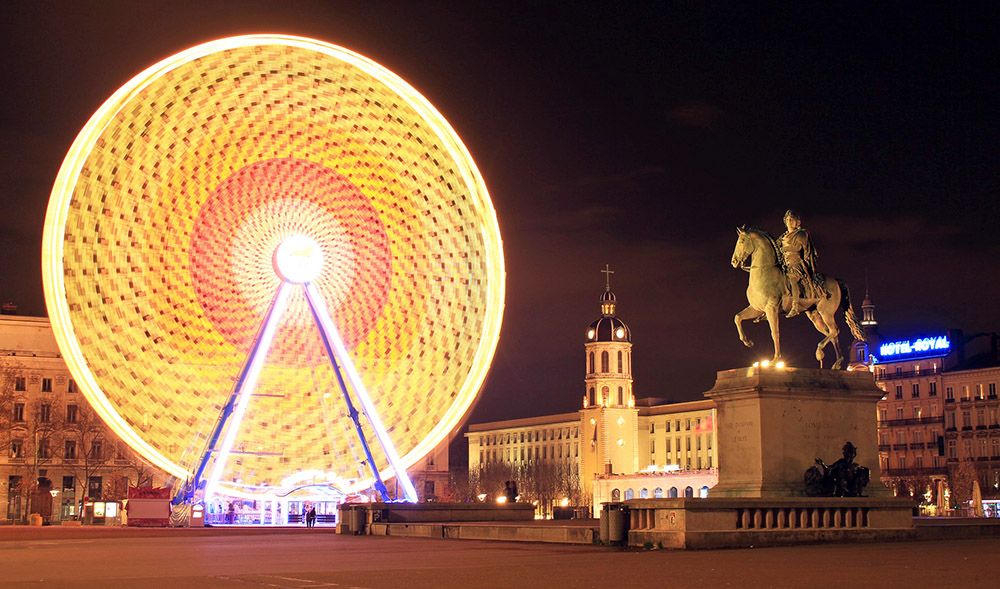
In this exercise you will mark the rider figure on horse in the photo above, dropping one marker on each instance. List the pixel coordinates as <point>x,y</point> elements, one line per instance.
<point>800,263</point>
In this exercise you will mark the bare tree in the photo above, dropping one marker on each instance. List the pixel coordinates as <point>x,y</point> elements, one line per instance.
<point>88,448</point>
<point>38,432</point>
<point>545,483</point>
<point>489,478</point>
<point>462,485</point>
<point>9,372</point>
<point>961,478</point>
<point>139,472</point>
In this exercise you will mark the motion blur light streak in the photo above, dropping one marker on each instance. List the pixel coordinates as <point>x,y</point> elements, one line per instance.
<point>159,259</point>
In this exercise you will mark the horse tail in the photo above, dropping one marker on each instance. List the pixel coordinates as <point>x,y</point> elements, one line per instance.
<point>849,314</point>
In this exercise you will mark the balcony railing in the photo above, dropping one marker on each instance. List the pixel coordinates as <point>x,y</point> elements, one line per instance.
<point>914,421</point>
<point>907,374</point>
<point>914,472</point>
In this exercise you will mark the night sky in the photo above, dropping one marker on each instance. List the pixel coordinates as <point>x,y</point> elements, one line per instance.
<point>633,134</point>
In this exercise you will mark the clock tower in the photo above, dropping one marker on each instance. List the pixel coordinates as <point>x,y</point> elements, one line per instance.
<point>609,419</point>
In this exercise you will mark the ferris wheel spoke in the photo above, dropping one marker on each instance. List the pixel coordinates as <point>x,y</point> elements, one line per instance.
<point>336,349</point>
<point>245,386</point>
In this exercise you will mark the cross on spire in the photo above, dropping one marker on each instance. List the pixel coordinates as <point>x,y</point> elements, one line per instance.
<point>607,276</point>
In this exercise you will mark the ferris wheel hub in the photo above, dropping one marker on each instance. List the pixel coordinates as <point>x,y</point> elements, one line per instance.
<point>298,259</point>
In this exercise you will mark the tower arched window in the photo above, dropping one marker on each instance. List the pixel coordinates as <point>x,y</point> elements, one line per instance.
<point>689,493</point>
<point>590,366</point>
<point>604,361</point>
<point>621,368</point>
<point>591,397</point>
<point>605,396</point>
<point>621,396</point>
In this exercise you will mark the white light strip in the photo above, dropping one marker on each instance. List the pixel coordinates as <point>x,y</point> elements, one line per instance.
<point>328,327</point>
<point>247,389</point>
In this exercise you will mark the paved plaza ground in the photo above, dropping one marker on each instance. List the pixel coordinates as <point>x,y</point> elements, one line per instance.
<point>301,559</point>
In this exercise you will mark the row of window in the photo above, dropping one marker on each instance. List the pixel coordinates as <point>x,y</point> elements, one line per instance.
<point>982,448</point>
<point>622,367</point>
<point>917,462</point>
<point>95,486</point>
<point>677,443</point>
<point>530,436</point>
<point>916,437</point>
<point>916,412</point>
<point>987,391</point>
<point>70,449</point>
<point>982,419</point>
<point>616,494</point>
<point>677,425</point>
<point>45,413</point>
<point>605,397</point>
<point>915,390</point>
<point>21,385</point>
<point>524,454</point>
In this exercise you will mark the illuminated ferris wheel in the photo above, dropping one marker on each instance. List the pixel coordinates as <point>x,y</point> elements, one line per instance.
<point>267,256</point>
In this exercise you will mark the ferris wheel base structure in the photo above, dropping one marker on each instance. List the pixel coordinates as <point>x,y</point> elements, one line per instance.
<point>270,265</point>
<point>298,260</point>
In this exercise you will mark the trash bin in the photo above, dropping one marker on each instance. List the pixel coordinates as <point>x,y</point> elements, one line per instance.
<point>358,518</point>
<point>344,519</point>
<point>614,523</point>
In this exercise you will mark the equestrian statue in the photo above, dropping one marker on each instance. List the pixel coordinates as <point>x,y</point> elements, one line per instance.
<point>783,279</point>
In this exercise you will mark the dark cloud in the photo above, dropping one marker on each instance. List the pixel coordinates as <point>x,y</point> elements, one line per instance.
<point>589,123</point>
<point>695,114</point>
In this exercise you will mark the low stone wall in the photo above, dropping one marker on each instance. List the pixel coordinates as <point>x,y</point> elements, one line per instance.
<point>451,512</point>
<point>551,533</point>
<point>744,522</point>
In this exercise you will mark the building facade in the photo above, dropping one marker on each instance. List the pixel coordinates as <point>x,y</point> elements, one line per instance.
<point>615,444</point>
<point>940,410</point>
<point>53,443</point>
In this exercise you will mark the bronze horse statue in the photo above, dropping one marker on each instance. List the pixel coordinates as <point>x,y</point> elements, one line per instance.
<point>769,295</point>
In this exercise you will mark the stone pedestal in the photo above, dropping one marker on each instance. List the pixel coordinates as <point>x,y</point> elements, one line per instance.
<point>773,423</point>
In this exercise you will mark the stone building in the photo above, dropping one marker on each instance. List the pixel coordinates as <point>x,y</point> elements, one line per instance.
<point>51,440</point>
<point>940,409</point>
<point>615,444</point>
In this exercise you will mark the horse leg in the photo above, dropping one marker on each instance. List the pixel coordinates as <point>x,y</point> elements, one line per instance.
<point>833,335</point>
<point>772,311</point>
<point>748,313</point>
<point>820,325</point>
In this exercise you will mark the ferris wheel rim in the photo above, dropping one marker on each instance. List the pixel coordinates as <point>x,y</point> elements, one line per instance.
<point>54,234</point>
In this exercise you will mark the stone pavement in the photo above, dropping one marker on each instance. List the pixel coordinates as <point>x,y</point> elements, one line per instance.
<point>300,558</point>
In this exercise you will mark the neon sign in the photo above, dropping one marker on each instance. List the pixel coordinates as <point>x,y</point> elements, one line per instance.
<point>922,347</point>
